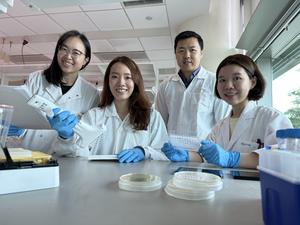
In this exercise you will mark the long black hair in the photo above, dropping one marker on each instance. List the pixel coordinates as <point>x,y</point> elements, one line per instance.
<point>54,73</point>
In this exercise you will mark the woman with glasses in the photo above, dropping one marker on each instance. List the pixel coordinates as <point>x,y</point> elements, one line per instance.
<point>130,128</point>
<point>61,84</point>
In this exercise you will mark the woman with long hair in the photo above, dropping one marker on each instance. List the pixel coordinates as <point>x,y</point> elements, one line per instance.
<point>128,126</point>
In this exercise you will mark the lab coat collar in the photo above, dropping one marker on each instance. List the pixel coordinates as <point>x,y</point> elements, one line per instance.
<point>243,123</point>
<point>247,114</point>
<point>53,91</point>
<point>73,94</point>
<point>200,75</point>
<point>111,110</point>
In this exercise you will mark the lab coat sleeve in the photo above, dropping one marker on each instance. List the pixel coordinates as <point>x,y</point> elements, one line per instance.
<point>158,136</point>
<point>64,147</point>
<point>160,103</point>
<point>34,82</point>
<point>92,92</point>
<point>277,121</point>
<point>71,147</point>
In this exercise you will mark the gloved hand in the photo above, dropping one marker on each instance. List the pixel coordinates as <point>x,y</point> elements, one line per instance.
<point>63,122</point>
<point>131,155</point>
<point>215,154</point>
<point>15,131</point>
<point>175,154</point>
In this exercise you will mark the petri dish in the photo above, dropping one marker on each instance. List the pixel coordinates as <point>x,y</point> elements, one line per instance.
<point>187,194</point>
<point>195,180</point>
<point>139,182</point>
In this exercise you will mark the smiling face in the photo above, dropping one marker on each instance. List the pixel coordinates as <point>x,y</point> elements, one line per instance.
<point>121,83</point>
<point>71,56</point>
<point>188,55</point>
<point>234,85</point>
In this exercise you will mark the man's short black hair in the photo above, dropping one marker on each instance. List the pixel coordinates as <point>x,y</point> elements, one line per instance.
<point>188,34</point>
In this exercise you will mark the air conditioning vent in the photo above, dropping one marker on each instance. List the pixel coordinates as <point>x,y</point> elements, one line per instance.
<point>135,55</point>
<point>142,3</point>
<point>30,59</point>
<point>164,71</point>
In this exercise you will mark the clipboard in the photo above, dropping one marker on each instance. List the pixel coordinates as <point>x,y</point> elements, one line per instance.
<point>24,115</point>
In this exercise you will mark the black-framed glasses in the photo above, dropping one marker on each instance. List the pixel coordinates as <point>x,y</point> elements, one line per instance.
<point>75,53</point>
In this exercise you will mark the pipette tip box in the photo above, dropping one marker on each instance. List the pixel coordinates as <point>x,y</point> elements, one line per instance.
<point>29,175</point>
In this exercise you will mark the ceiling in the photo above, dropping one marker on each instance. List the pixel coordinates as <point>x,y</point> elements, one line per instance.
<point>144,32</point>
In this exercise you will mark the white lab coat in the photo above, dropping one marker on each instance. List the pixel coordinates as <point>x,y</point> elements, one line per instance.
<point>191,111</point>
<point>255,122</point>
<point>117,135</point>
<point>79,99</point>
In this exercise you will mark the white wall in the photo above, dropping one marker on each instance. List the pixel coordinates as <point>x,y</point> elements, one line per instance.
<point>220,31</point>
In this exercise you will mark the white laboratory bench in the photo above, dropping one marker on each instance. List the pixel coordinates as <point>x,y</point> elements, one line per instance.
<point>88,195</point>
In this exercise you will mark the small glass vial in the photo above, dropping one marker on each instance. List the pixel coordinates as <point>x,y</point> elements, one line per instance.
<point>281,136</point>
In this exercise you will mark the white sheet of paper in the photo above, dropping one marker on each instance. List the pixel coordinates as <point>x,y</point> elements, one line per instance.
<point>24,115</point>
<point>103,157</point>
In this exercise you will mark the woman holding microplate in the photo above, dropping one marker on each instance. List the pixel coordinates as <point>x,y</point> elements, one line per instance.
<point>233,140</point>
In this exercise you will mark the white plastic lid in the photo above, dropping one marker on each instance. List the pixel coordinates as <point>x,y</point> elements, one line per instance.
<point>139,182</point>
<point>194,180</point>
<point>187,194</point>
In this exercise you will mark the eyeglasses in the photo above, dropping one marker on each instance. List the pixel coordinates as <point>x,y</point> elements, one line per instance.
<point>64,50</point>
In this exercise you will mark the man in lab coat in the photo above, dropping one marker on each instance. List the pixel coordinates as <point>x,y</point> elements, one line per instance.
<point>186,100</point>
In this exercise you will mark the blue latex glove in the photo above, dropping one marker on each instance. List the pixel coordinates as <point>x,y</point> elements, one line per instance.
<point>15,131</point>
<point>175,154</point>
<point>215,154</point>
<point>63,122</point>
<point>131,155</point>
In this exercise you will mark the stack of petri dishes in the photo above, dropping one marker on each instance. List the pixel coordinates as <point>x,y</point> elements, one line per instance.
<point>190,185</point>
<point>139,182</point>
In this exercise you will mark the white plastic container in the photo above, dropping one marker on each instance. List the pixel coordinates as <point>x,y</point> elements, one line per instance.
<point>139,182</point>
<point>6,112</point>
<point>191,185</point>
<point>197,181</point>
